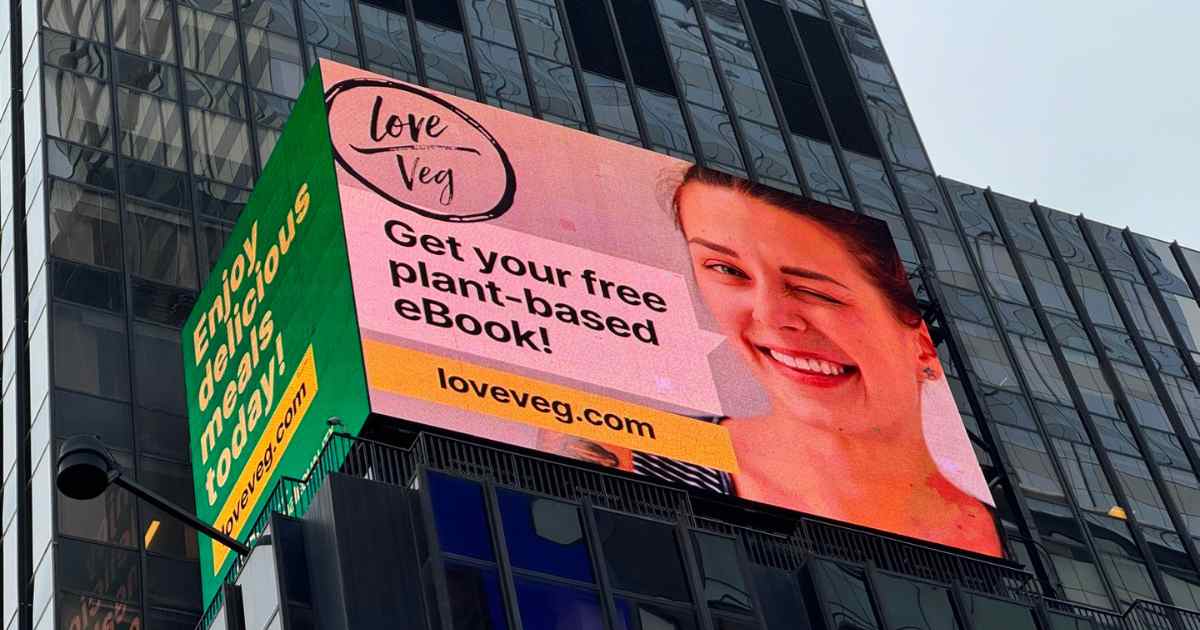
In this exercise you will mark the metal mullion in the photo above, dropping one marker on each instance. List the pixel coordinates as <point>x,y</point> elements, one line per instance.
<point>1123,406</point>
<point>20,269</point>
<point>436,559</point>
<point>684,111</point>
<point>764,70</point>
<point>1160,388</point>
<point>1068,377</point>
<point>188,153</point>
<point>1173,328</point>
<point>1046,573</point>
<point>415,41</point>
<point>1189,544</point>
<point>126,276</point>
<point>1077,303</point>
<point>739,136</point>
<point>1189,275</point>
<point>523,56</point>
<point>244,58</point>
<point>887,59</point>
<point>491,505</point>
<point>585,100</point>
<point>1022,381</point>
<point>691,571</point>
<point>596,553</point>
<point>469,46</point>
<point>876,603</point>
<point>630,84</point>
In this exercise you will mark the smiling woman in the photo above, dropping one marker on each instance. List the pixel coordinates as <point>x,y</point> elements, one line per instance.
<point>817,303</point>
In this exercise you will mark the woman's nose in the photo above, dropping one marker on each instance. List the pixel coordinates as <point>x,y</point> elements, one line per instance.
<point>774,309</point>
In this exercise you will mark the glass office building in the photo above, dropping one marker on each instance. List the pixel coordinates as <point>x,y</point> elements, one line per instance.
<point>131,132</point>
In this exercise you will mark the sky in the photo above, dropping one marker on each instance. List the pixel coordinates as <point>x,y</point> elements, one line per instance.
<point>1086,107</point>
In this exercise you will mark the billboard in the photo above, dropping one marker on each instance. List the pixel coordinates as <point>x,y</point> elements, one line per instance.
<point>271,347</point>
<point>524,282</point>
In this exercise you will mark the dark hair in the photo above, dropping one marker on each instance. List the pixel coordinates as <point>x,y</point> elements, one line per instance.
<point>869,242</point>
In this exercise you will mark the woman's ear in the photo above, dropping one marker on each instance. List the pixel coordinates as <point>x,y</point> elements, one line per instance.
<point>929,364</point>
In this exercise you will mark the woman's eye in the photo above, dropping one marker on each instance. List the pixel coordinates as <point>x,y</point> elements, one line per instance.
<point>803,292</point>
<point>727,270</point>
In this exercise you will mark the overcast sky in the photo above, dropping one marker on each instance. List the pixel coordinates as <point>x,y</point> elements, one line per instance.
<point>1088,107</point>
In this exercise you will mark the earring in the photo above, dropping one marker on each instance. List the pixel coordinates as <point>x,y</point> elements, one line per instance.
<point>930,375</point>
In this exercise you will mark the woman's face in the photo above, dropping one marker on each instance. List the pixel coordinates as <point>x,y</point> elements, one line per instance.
<point>819,336</point>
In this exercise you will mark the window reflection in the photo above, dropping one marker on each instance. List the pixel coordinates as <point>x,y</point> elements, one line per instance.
<point>843,594</point>
<point>642,556</point>
<point>914,605</point>
<point>721,574</point>
<point>636,615</point>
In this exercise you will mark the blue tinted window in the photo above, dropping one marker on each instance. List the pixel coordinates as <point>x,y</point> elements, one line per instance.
<point>550,606</point>
<point>459,515</point>
<point>476,602</point>
<point>545,535</point>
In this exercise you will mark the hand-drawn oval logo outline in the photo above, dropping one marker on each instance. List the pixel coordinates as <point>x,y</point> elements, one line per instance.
<point>510,179</point>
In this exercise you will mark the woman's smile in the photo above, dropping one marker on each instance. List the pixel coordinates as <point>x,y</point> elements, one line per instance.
<point>808,369</point>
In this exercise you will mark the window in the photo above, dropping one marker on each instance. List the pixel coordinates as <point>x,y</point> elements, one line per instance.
<point>78,109</point>
<point>151,129</point>
<point>837,85</point>
<point>545,605</point>
<point>895,125</point>
<point>914,605</point>
<point>1031,459</point>
<point>221,148</point>
<point>161,246</point>
<point>642,556</point>
<point>209,43</point>
<point>636,615</point>
<point>986,354</point>
<point>460,517</point>
<point>1022,226</point>
<point>100,570</point>
<point>973,211</point>
<point>594,38</point>
<point>208,93</point>
<point>476,601</point>
<point>274,62</point>
<point>544,535</point>
<point>842,592</point>
<point>643,43</point>
<point>144,27</point>
<point>724,586</point>
<point>84,18</point>
<point>146,76</point>
<point>987,613</point>
<point>84,225</point>
<point>1164,269</point>
<point>91,352</point>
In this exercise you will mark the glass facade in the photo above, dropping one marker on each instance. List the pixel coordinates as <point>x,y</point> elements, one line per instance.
<point>131,132</point>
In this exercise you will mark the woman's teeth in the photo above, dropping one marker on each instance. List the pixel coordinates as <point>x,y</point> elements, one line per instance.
<point>817,366</point>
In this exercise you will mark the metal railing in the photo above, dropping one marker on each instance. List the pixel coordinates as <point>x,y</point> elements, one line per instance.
<point>788,550</point>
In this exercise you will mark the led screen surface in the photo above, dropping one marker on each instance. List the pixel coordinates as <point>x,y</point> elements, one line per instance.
<point>539,286</point>
<point>271,347</point>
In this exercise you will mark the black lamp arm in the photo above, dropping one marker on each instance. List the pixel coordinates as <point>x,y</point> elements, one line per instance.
<point>179,513</point>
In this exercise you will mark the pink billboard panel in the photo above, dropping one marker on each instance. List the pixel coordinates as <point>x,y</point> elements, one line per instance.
<point>532,284</point>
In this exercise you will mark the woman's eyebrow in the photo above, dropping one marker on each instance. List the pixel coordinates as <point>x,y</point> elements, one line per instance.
<point>713,246</point>
<point>811,275</point>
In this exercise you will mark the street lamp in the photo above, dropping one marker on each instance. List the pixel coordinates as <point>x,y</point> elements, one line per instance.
<point>86,469</point>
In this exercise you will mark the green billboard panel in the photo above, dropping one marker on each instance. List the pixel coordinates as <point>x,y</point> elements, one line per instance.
<point>271,348</point>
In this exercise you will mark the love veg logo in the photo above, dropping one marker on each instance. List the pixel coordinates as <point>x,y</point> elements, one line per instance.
<point>419,151</point>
